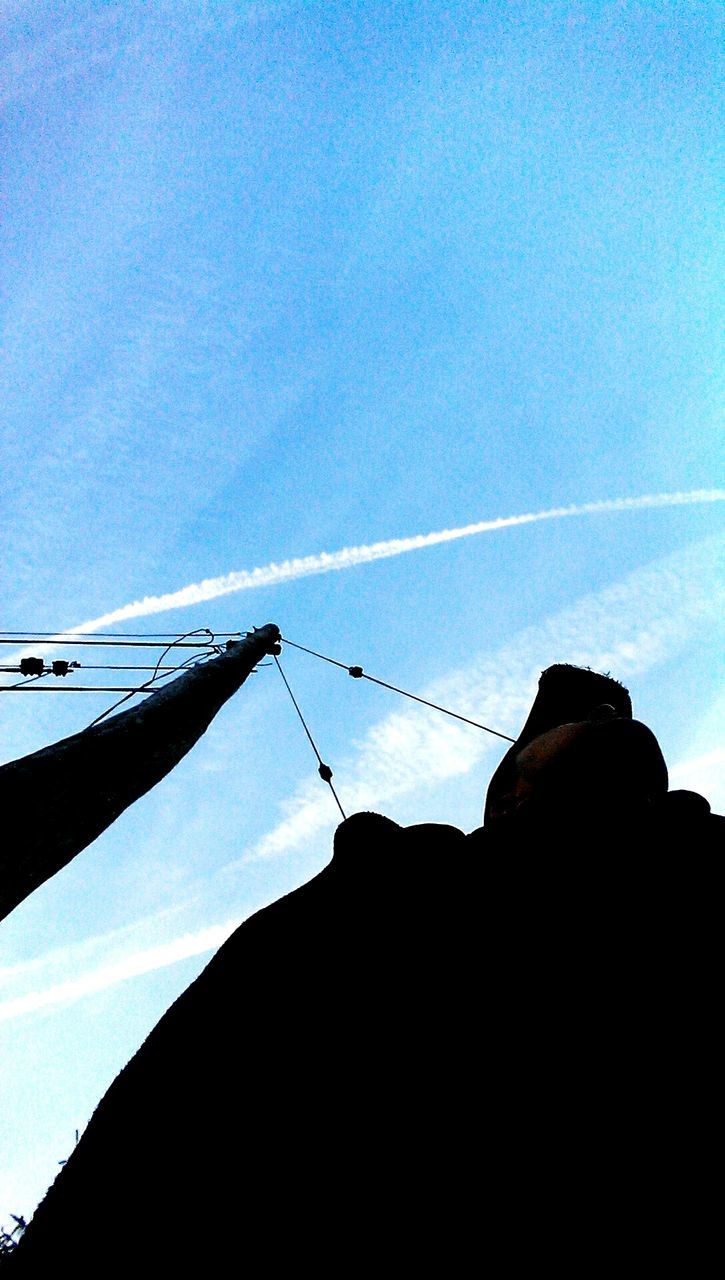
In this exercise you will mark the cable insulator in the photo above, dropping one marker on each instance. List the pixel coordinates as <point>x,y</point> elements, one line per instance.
<point>60,667</point>
<point>32,666</point>
<point>356,672</point>
<point>325,772</point>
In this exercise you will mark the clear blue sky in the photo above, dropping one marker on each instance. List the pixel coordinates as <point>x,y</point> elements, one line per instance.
<point>279,279</point>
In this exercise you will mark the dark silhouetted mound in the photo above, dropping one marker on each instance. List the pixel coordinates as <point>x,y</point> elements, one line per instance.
<point>444,1052</point>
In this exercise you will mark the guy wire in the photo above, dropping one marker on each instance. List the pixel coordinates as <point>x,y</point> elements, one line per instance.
<point>359,674</point>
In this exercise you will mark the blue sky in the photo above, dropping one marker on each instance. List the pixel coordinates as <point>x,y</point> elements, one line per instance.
<point>282,279</point>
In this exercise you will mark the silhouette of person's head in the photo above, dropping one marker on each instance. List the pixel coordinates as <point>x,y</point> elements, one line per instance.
<point>579,756</point>
<point>597,768</point>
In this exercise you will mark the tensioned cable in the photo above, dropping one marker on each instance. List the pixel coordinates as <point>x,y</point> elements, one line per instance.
<point>199,658</point>
<point>103,666</point>
<point>204,648</point>
<point>358,674</point>
<point>324,770</point>
<point>29,687</point>
<point>23,684</point>
<point>117,644</point>
<point>29,683</point>
<point>120,635</point>
<point>156,675</point>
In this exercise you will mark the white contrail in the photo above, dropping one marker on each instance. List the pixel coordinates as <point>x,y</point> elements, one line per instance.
<point>131,966</point>
<point>272,574</point>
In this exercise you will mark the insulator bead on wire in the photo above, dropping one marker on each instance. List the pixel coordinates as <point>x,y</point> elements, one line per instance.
<point>60,667</point>
<point>32,666</point>
<point>356,672</point>
<point>325,772</point>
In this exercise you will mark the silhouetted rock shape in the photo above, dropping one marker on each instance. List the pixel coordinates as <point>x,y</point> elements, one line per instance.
<point>444,1051</point>
<point>56,801</point>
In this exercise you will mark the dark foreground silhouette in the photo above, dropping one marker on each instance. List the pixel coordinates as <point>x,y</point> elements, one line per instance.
<point>446,1052</point>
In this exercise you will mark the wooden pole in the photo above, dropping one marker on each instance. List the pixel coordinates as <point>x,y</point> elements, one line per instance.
<point>57,800</point>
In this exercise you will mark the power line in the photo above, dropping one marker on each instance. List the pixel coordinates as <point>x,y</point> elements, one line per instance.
<point>324,770</point>
<point>131,644</point>
<point>180,644</point>
<point>30,687</point>
<point>203,648</point>
<point>23,684</point>
<point>121,635</point>
<point>103,666</point>
<point>358,674</point>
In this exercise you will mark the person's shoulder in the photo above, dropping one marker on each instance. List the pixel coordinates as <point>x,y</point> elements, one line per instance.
<point>684,821</point>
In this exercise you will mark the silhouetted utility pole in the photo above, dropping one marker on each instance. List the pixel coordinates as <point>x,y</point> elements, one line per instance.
<point>57,800</point>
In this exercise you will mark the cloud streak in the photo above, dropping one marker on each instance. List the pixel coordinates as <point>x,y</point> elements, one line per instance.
<point>129,966</point>
<point>628,628</point>
<point>350,557</point>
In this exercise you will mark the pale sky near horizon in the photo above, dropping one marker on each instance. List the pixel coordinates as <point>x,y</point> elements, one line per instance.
<point>285,282</point>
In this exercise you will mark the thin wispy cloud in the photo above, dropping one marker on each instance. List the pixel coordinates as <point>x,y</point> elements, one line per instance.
<point>628,628</point>
<point>32,65</point>
<point>351,557</point>
<point>130,966</point>
<point>133,29</point>
<point>705,773</point>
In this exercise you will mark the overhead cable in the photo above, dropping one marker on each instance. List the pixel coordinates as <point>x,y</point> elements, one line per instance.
<point>359,674</point>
